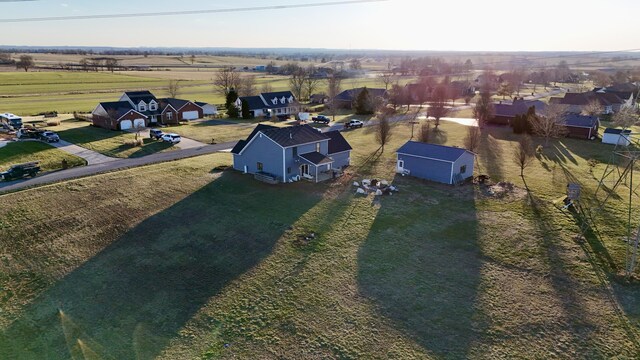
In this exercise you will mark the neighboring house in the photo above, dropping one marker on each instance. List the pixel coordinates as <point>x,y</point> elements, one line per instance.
<point>628,92</point>
<point>577,102</point>
<point>616,137</point>
<point>288,153</point>
<point>281,103</point>
<point>444,164</point>
<point>207,109</point>
<point>347,98</point>
<point>581,126</point>
<point>505,113</point>
<point>141,109</point>
<point>417,92</point>
<point>318,99</point>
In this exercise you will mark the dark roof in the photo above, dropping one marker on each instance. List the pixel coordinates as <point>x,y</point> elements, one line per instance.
<point>294,135</point>
<point>604,99</point>
<point>316,158</point>
<point>175,103</point>
<point>201,104</point>
<point>577,120</point>
<point>337,142</point>
<point>242,143</point>
<point>268,98</point>
<point>254,102</point>
<point>351,94</point>
<point>438,152</point>
<point>120,107</point>
<point>136,96</point>
<point>519,107</point>
<point>617,131</point>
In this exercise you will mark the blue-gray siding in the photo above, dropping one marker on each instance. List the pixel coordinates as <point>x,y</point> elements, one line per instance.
<point>341,159</point>
<point>467,159</point>
<point>291,164</point>
<point>262,150</point>
<point>435,170</point>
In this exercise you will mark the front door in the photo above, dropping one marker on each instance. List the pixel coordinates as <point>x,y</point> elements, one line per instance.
<point>400,166</point>
<point>304,170</point>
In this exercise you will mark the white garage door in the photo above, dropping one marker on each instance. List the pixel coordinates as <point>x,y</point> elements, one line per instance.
<point>190,115</point>
<point>138,123</point>
<point>125,125</point>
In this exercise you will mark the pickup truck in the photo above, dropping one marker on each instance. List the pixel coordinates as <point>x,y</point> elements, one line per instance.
<point>321,119</point>
<point>20,170</point>
<point>353,124</point>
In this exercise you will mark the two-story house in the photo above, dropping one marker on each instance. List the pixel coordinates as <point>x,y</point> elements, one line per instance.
<point>281,103</point>
<point>289,153</point>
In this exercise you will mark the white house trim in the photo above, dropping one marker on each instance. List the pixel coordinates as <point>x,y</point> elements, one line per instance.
<point>168,106</point>
<point>137,112</point>
<point>429,158</point>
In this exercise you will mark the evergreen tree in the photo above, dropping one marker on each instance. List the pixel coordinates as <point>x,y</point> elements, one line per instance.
<point>518,124</point>
<point>364,103</point>
<point>529,119</point>
<point>246,113</point>
<point>230,104</point>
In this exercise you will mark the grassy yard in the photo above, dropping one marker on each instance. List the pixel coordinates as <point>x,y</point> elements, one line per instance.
<point>221,131</point>
<point>49,157</point>
<point>107,142</point>
<point>220,268</point>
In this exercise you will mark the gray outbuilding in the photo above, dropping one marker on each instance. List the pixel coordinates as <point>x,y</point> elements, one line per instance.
<point>444,164</point>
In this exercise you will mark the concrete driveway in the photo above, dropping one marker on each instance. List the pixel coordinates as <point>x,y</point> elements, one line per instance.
<point>90,156</point>
<point>184,144</point>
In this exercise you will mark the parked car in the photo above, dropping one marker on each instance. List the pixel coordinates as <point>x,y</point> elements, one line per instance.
<point>321,119</point>
<point>20,171</point>
<point>172,138</point>
<point>49,136</point>
<point>155,134</point>
<point>353,124</point>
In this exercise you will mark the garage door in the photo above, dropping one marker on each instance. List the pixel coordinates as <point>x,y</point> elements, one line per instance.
<point>125,125</point>
<point>190,115</point>
<point>138,123</point>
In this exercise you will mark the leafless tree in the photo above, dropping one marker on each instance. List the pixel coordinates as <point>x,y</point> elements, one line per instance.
<point>472,140</point>
<point>333,89</point>
<point>505,90</point>
<point>438,104</point>
<point>247,86</point>
<point>551,124</point>
<point>225,80</point>
<point>523,155</point>
<point>25,62</point>
<point>173,88</point>
<point>266,88</point>
<point>516,77</point>
<point>625,118</point>
<point>425,132</point>
<point>84,64</point>
<point>296,82</point>
<point>383,131</point>
<point>311,81</point>
<point>484,109</point>
<point>193,59</point>
<point>593,108</point>
<point>96,64</point>
<point>111,64</point>
<point>386,78</point>
<point>355,64</point>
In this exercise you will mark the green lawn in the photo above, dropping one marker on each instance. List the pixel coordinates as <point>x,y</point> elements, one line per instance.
<point>49,157</point>
<point>220,268</point>
<point>206,131</point>
<point>107,142</point>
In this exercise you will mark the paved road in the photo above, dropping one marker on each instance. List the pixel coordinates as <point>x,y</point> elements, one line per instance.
<point>92,157</point>
<point>117,164</point>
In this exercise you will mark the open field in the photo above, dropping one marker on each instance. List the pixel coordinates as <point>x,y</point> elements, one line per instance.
<point>49,157</point>
<point>107,142</point>
<point>217,269</point>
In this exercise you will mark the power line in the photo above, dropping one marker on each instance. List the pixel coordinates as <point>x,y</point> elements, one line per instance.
<point>189,12</point>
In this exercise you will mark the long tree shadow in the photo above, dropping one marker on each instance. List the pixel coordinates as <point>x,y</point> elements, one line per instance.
<point>129,300</point>
<point>425,275</point>
<point>491,155</point>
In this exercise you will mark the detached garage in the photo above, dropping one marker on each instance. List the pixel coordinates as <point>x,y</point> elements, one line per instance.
<point>617,137</point>
<point>443,164</point>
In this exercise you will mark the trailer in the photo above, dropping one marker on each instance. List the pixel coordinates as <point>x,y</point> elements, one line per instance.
<point>12,120</point>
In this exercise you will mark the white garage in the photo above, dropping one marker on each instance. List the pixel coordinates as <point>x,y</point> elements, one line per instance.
<point>189,115</point>
<point>126,125</point>
<point>139,123</point>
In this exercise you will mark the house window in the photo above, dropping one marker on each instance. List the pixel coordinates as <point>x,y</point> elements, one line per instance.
<point>260,166</point>
<point>463,169</point>
<point>295,151</point>
<point>169,115</point>
<point>153,107</point>
<point>400,164</point>
<point>288,170</point>
<point>279,111</point>
<point>143,107</point>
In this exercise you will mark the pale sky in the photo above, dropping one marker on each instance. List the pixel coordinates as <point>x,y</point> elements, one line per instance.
<point>475,25</point>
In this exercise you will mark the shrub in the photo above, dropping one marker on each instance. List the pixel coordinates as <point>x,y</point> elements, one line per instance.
<point>133,142</point>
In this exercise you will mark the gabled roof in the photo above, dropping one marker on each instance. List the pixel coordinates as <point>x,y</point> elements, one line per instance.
<point>518,107</point>
<point>294,135</point>
<point>175,103</point>
<point>137,96</point>
<point>201,104</point>
<point>316,158</point>
<point>337,142</point>
<point>119,107</point>
<point>617,131</point>
<point>432,151</point>
<point>254,102</point>
<point>576,120</point>
<point>351,94</point>
<point>279,95</point>
<point>604,99</point>
<point>242,143</point>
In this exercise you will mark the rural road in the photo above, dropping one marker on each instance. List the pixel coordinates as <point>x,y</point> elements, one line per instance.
<point>117,164</point>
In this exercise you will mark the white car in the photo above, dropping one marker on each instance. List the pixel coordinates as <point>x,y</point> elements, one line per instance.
<point>172,138</point>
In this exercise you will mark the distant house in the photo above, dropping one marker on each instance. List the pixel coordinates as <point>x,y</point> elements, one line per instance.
<point>616,137</point>
<point>628,92</point>
<point>417,93</point>
<point>444,164</point>
<point>578,102</point>
<point>281,103</point>
<point>347,98</point>
<point>581,126</point>
<point>318,98</point>
<point>141,109</point>
<point>290,153</point>
<point>207,109</point>
<point>505,112</point>
<point>261,68</point>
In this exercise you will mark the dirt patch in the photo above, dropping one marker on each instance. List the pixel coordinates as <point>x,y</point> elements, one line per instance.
<point>503,190</point>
